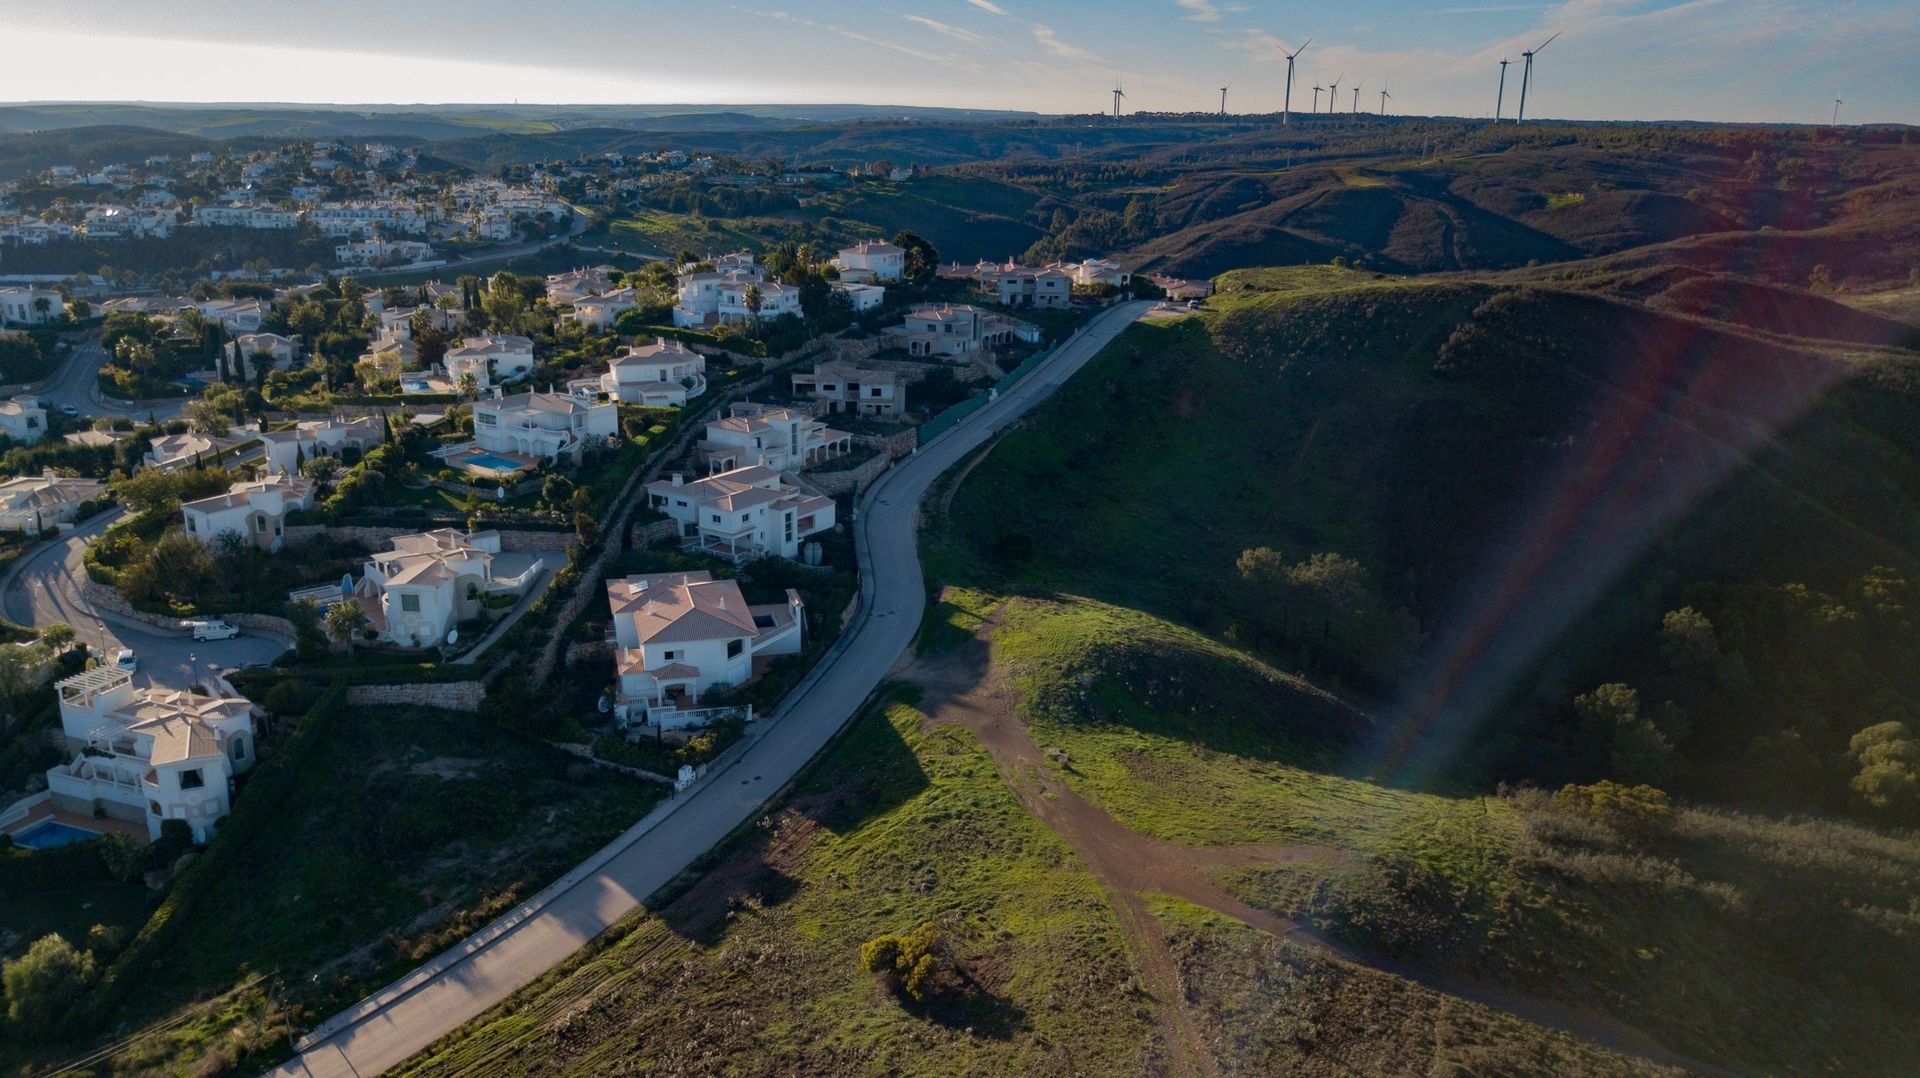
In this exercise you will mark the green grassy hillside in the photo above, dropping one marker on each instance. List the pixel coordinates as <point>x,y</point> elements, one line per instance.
<point>1528,480</point>
<point>899,824</point>
<point>1700,927</point>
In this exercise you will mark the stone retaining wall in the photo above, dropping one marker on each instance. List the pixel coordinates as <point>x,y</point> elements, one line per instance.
<point>103,598</point>
<point>590,653</point>
<point>895,445</point>
<point>657,532</point>
<point>848,480</point>
<point>463,696</point>
<point>379,538</point>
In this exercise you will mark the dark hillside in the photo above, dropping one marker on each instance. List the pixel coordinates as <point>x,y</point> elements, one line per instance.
<point>1786,311</point>
<point>1525,472</point>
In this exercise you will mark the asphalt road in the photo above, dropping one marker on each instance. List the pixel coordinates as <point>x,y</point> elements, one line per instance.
<point>44,587</point>
<point>78,384</point>
<point>407,1016</point>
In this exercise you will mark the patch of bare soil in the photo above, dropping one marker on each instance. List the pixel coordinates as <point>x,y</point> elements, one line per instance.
<point>962,686</point>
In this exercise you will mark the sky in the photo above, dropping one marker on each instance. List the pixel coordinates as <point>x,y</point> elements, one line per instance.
<point>1730,60</point>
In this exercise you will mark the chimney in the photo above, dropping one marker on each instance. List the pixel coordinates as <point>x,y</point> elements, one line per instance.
<point>679,478</point>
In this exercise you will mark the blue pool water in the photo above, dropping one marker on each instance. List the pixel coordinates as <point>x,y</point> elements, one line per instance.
<point>493,463</point>
<point>47,834</point>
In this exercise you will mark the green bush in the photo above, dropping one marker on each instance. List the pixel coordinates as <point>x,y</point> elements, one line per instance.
<point>42,985</point>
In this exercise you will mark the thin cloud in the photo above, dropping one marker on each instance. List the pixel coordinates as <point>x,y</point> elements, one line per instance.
<point>777,16</point>
<point>1200,10</point>
<point>955,32</point>
<point>1045,36</point>
<point>989,8</point>
<point>918,54</point>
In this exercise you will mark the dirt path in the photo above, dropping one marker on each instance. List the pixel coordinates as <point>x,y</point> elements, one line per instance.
<point>962,687</point>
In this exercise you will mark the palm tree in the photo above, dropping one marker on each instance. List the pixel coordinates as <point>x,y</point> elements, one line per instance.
<point>344,619</point>
<point>754,300</point>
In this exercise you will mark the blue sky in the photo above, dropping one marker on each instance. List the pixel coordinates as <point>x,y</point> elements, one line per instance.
<point>1754,60</point>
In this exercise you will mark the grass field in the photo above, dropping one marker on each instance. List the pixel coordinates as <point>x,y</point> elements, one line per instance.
<point>898,824</point>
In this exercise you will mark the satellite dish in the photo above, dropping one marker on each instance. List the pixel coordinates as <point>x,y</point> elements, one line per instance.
<point>501,491</point>
<point>606,705</point>
<point>453,636</point>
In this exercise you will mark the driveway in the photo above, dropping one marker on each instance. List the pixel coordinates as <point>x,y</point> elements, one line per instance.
<point>407,1016</point>
<point>44,587</point>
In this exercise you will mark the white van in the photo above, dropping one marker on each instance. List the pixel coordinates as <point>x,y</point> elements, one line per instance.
<point>214,630</point>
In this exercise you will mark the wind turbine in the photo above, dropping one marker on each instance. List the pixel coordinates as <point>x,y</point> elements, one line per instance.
<point>1286,103</point>
<point>1316,99</point>
<point>1333,94</point>
<point>1118,93</point>
<point>1836,111</point>
<point>1526,75</point>
<point>1384,98</point>
<point>1356,97</point>
<point>1500,99</point>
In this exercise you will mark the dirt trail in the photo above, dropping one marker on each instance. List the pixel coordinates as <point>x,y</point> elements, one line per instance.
<point>962,687</point>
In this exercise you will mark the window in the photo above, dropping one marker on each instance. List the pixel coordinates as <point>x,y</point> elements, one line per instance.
<point>239,748</point>
<point>874,391</point>
<point>735,647</point>
<point>716,518</point>
<point>191,779</point>
<point>671,656</point>
<point>410,603</point>
<point>190,525</point>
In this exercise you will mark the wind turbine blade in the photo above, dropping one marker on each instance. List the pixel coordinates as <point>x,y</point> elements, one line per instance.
<point>1548,41</point>
<point>1301,49</point>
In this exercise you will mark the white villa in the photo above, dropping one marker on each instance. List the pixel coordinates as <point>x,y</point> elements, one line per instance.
<point>169,450</point>
<point>284,350</point>
<point>956,330</point>
<point>23,419</point>
<point>149,755</point>
<point>1022,286</point>
<point>575,285</point>
<point>31,306</point>
<point>287,450</point>
<point>664,373</point>
<point>414,594</point>
<point>862,297</point>
<point>33,504</point>
<point>771,436</point>
<point>865,263</point>
<point>843,387</point>
<point>1101,271</point>
<point>541,425</point>
<point>490,358</point>
<point>743,513</point>
<point>256,511</point>
<point>776,300</point>
<point>679,635</point>
<point>721,296</point>
<point>246,215</point>
<point>600,312</point>
<point>235,315</point>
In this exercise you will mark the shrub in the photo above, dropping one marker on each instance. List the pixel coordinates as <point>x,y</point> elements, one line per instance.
<point>1631,810</point>
<point>42,984</point>
<point>910,962</point>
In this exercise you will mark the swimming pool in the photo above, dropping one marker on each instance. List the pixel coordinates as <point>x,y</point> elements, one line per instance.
<point>47,834</point>
<point>490,462</point>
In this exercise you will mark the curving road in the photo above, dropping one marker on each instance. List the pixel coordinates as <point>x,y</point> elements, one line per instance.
<point>44,587</point>
<point>410,1014</point>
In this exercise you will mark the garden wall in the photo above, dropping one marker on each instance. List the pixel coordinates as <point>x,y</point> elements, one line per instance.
<point>464,696</point>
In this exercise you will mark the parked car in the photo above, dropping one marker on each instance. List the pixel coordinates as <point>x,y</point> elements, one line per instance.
<point>69,409</point>
<point>214,630</point>
<point>125,659</point>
